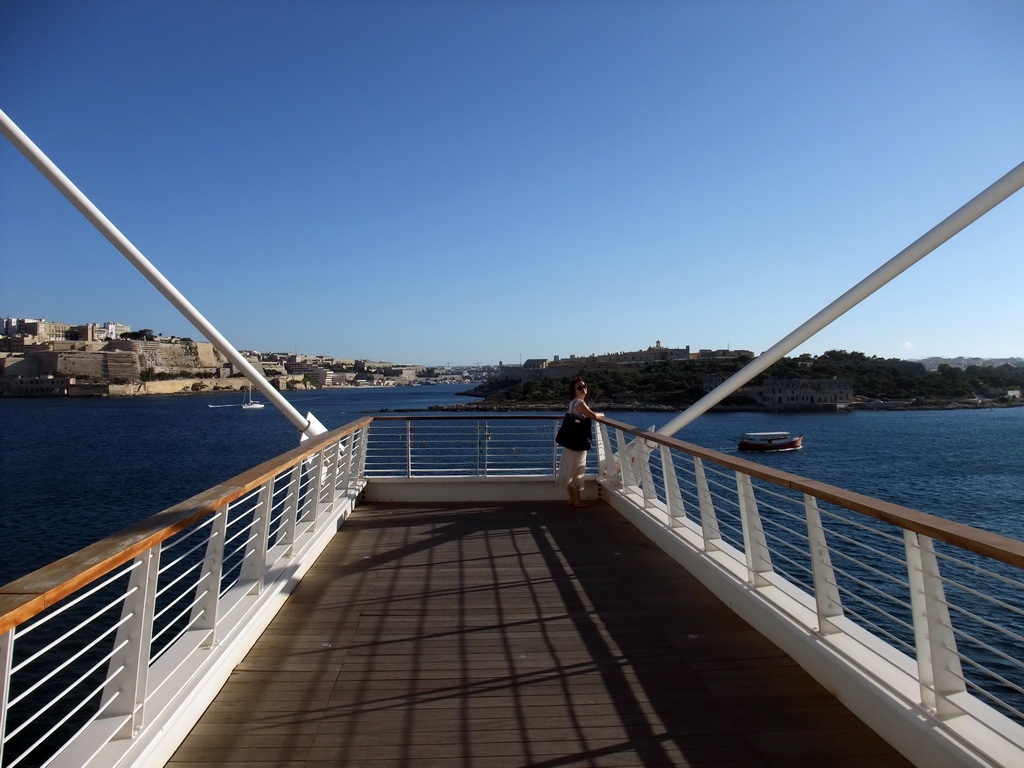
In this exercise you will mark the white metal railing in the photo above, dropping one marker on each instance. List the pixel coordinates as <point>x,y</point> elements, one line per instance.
<point>931,610</point>
<point>100,649</point>
<point>486,446</point>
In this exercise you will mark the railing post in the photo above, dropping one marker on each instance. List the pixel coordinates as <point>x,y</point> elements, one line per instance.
<point>673,497</point>
<point>207,603</point>
<point>254,564</point>
<point>627,462</point>
<point>605,460</point>
<point>554,450</point>
<point>647,490</point>
<point>344,474</point>
<point>124,694</point>
<point>6,659</point>
<point>481,448</point>
<point>315,488</point>
<point>363,444</point>
<point>332,476</point>
<point>408,448</point>
<point>708,515</point>
<point>289,520</point>
<point>348,447</point>
<point>755,546</point>
<point>938,665</point>
<point>826,589</point>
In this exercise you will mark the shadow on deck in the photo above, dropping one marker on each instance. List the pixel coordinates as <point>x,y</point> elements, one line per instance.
<point>523,634</point>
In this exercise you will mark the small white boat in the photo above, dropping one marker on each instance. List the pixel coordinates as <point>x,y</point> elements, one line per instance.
<point>249,402</point>
<point>771,441</point>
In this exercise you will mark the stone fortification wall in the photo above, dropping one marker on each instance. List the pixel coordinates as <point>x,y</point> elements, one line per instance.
<point>162,357</point>
<point>522,373</point>
<point>94,365</point>
<point>20,366</point>
<point>176,386</point>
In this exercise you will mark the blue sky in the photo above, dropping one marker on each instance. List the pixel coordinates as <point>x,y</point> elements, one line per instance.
<point>462,182</point>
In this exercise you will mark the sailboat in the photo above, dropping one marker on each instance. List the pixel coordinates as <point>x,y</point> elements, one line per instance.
<point>249,402</point>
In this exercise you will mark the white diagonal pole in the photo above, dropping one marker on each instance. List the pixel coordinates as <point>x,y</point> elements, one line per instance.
<point>928,242</point>
<point>309,426</point>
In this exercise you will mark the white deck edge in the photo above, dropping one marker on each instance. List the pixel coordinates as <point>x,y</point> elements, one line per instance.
<point>876,683</point>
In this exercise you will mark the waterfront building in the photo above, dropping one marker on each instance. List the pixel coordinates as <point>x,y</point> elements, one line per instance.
<point>36,386</point>
<point>723,354</point>
<point>803,394</point>
<point>298,365</point>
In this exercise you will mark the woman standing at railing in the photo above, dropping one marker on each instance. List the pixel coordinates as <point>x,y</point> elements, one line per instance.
<point>574,437</point>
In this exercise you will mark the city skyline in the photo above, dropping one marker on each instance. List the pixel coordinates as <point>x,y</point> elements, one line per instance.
<point>454,182</point>
<point>489,363</point>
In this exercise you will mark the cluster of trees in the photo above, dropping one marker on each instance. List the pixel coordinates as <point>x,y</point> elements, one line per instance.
<point>896,379</point>
<point>146,375</point>
<point>144,334</point>
<point>679,383</point>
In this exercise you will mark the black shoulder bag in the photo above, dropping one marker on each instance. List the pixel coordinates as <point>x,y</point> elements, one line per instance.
<point>574,433</point>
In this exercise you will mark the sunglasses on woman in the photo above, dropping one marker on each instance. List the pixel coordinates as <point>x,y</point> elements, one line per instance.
<point>581,386</point>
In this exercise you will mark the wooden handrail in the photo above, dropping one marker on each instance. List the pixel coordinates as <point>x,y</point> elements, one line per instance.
<point>472,416</point>
<point>993,545</point>
<point>23,598</point>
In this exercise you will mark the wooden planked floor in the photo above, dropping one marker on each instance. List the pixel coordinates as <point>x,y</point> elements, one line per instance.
<point>527,634</point>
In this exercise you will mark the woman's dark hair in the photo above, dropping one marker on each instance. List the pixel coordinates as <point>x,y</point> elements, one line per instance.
<point>572,386</point>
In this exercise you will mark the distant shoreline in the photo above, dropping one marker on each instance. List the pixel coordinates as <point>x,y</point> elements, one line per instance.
<point>659,408</point>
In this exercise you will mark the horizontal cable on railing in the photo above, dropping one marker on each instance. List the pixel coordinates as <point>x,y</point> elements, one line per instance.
<point>183,595</point>
<point>15,700</point>
<point>865,622</point>
<point>884,578</point>
<point>72,631</point>
<point>74,711</point>
<point>242,527</point>
<point>168,565</point>
<point>977,665</point>
<point>189,569</point>
<point>52,702</point>
<point>241,501</point>
<point>169,626</point>
<point>278,510</point>
<point>40,620</point>
<point>775,525</point>
<point>873,625</point>
<point>985,622</point>
<point>991,574</point>
<point>996,702</point>
<point>776,555</point>
<point>167,679</point>
<point>873,530</point>
<point>842,554</point>
<point>981,691</point>
<point>767,507</point>
<point>850,557</point>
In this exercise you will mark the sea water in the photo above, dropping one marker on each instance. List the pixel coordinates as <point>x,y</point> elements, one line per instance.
<point>76,470</point>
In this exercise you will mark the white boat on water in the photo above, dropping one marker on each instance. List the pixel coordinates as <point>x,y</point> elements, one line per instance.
<point>770,441</point>
<point>249,403</point>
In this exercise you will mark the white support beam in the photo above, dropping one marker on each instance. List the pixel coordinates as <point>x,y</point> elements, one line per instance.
<point>928,242</point>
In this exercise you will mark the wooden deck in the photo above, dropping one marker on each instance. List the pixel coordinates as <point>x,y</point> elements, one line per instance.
<point>527,634</point>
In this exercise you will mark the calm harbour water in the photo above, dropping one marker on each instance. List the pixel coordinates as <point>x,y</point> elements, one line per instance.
<point>76,470</point>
